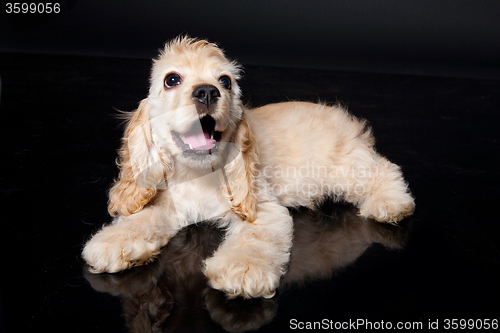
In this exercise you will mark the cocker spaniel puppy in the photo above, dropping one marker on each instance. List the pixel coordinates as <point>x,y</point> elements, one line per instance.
<point>193,152</point>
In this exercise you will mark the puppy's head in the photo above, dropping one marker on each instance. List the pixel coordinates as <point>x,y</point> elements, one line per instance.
<point>194,100</point>
<point>192,112</point>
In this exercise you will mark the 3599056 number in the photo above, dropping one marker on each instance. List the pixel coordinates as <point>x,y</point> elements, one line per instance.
<point>32,8</point>
<point>462,324</point>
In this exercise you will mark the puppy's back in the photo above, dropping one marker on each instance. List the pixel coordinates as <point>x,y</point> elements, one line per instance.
<point>301,131</point>
<point>299,145</point>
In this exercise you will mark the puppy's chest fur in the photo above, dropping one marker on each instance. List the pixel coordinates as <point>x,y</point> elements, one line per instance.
<point>198,199</point>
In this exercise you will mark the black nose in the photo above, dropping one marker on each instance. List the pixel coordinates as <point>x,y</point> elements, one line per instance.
<point>206,94</point>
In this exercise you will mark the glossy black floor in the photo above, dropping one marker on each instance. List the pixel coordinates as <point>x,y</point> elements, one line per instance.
<point>59,137</point>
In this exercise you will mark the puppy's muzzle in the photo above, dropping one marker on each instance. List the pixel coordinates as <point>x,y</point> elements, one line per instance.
<point>205,97</point>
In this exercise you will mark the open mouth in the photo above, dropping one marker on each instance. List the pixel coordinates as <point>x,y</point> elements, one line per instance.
<point>201,139</point>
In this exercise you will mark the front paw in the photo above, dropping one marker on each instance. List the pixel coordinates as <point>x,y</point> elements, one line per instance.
<point>239,274</point>
<point>112,250</point>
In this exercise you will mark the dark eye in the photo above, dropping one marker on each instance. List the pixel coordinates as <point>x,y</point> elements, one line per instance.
<point>172,80</point>
<point>225,81</point>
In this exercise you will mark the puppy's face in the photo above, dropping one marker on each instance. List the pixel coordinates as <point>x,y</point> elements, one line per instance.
<point>195,101</point>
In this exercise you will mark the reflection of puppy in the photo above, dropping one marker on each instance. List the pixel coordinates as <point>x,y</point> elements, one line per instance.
<point>325,244</point>
<point>166,295</point>
<point>155,297</point>
<point>192,152</point>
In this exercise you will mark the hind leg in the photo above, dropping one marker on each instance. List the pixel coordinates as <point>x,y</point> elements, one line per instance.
<point>388,198</point>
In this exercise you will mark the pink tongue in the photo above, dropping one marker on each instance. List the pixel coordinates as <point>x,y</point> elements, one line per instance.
<point>199,141</point>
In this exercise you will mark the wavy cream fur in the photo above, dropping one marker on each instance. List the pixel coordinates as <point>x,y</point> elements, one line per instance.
<point>281,155</point>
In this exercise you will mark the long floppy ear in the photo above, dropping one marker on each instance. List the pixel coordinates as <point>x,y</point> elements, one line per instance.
<point>242,179</point>
<point>142,166</point>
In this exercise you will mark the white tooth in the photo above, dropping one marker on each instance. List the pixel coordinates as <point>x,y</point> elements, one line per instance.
<point>190,147</point>
<point>212,136</point>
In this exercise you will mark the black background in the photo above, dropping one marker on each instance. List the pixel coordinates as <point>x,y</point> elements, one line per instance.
<point>414,37</point>
<point>424,73</point>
